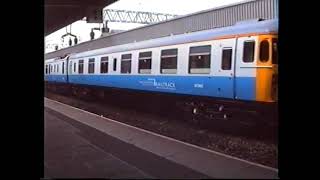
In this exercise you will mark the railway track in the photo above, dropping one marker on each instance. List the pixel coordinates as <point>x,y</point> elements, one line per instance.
<point>219,116</point>
<point>233,141</point>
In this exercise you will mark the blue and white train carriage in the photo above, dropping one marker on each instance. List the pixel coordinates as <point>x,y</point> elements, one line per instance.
<point>237,62</point>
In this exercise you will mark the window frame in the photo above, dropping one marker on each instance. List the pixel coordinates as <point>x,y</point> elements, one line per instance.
<point>126,60</point>
<point>90,62</point>
<point>273,56</point>
<point>75,67</point>
<point>81,62</point>
<point>173,55</point>
<point>114,68</point>
<point>206,70</point>
<point>142,59</point>
<point>104,59</point>
<point>254,49</point>
<point>264,50</point>
<point>223,50</point>
<point>62,70</point>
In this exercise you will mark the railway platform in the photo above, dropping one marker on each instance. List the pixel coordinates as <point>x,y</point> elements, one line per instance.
<point>82,144</point>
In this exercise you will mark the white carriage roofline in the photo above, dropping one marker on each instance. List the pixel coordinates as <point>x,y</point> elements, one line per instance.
<point>259,27</point>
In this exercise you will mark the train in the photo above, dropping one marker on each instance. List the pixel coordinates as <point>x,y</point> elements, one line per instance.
<point>233,67</point>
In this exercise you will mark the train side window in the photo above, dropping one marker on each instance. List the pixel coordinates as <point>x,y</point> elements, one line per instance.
<point>62,67</point>
<point>55,68</point>
<point>46,69</point>
<point>168,64</point>
<point>199,59</point>
<point>264,51</point>
<point>126,63</point>
<point>74,67</point>
<point>274,51</point>
<point>114,64</point>
<point>145,60</point>
<point>104,65</point>
<point>80,67</point>
<point>248,51</point>
<point>91,66</point>
<point>226,59</point>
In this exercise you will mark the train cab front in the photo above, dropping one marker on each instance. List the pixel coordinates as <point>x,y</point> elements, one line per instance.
<point>267,69</point>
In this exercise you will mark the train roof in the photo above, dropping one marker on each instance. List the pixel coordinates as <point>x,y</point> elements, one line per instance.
<point>246,27</point>
<point>49,60</point>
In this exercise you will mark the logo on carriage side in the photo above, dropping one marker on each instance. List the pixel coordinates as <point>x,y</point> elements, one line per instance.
<point>159,85</point>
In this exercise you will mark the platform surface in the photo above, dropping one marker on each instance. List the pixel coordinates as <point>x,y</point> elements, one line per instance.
<point>82,144</point>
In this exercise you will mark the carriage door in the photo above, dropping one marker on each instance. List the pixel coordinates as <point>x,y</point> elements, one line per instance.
<point>245,84</point>
<point>224,67</point>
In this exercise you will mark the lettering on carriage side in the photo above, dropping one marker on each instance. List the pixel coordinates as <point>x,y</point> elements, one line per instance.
<point>159,85</point>
<point>198,85</point>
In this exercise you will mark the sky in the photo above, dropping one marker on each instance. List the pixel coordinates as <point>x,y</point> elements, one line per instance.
<point>178,7</point>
